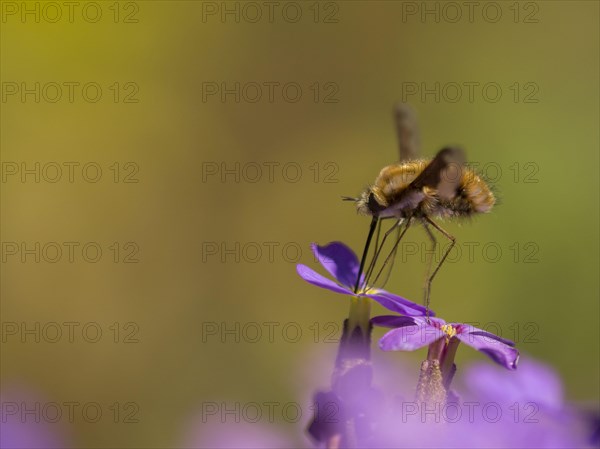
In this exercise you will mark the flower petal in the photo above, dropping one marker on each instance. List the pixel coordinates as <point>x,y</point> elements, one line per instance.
<point>397,303</point>
<point>533,382</point>
<point>464,328</point>
<point>329,416</point>
<point>492,346</point>
<point>492,336</point>
<point>312,277</point>
<point>339,260</point>
<point>409,338</point>
<point>392,321</point>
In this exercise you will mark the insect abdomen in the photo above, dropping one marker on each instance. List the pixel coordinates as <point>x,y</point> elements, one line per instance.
<point>474,195</point>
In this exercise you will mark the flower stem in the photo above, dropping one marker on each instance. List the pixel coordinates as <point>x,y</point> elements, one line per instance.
<point>447,366</point>
<point>436,350</point>
<point>352,376</point>
<point>360,314</point>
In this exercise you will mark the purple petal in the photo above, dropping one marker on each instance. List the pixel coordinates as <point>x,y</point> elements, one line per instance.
<point>463,328</point>
<point>312,277</point>
<point>492,346</point>
<point>20,431</point>
<point>409,338</point>
<point>433,321</point>
<point>398,304</point>
<point>532,382</point>
<point>492,336</point>
<point>392,321</point>
<point>339,260</point>
<point>328,418</point>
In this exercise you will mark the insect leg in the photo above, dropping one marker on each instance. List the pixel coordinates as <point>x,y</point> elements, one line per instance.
<point>428,277</point>
<point>442,260</point>
<point>395,247</point>
<point>392,260</point>
<point>397,224</point>
<point>379,247</point>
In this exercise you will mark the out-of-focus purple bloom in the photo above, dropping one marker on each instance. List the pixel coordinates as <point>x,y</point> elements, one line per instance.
<point>341,262</point>
<point>21,426</point>
<point>496,409</point>
<point>333,413</point>
<point>535,382</point>
<point>412,333</point>
<point>329,419</point>
<point>525,408</point>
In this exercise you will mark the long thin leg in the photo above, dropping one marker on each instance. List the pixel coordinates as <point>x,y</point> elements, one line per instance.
<point>375,250</point>
<point>365,251</point>
<point>393,260</point>
<point>393,251</point>
<point>427,286</point>
<point>440,263</point>
<point>378,249</point>
<point>397,224</point>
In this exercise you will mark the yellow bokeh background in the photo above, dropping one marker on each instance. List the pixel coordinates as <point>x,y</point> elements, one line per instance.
<point>371,55</point>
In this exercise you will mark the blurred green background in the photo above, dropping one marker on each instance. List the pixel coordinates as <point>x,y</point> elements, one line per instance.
<point>178,213</point>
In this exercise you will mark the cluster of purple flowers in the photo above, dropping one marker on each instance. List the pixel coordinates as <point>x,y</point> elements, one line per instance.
<point>411,331</point>
<point>487,407</point>
<point>496,409</point>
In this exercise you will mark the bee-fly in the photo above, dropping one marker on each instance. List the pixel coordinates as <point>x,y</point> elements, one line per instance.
<point>418,191</point>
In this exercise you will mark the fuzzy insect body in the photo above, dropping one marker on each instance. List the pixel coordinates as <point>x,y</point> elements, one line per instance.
<point>420,190</point>
<point>442,188</point>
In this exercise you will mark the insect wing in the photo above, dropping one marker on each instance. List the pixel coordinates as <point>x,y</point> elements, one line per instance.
<point>443,173</point>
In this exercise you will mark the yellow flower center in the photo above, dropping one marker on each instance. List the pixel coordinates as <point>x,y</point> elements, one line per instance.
<point>367,290</point>
<point>449,330</point>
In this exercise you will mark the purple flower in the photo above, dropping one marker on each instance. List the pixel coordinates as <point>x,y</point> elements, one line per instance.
<point>493,409</point>
<point>412,333</point>
<point>535,382</point>
<point>341,262</point>
<point>28,430</point>
<point>534,412</point>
